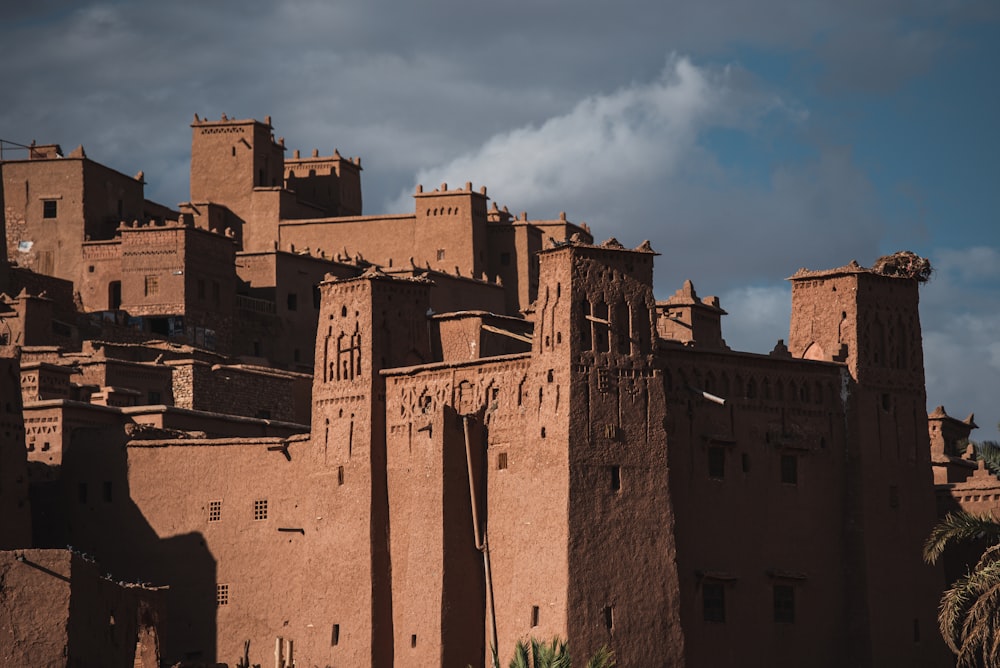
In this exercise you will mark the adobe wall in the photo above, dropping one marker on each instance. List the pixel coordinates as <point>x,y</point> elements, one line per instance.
<point>471,335</point>
<point>779,414</point>
<point>15,508</point>
<point>45,245</point>
<point>56,609</point>
<point>100,281</point>
<point>331,183</point>
<point>111,197</point>
<point>239,390</point>
<point>377,239</point>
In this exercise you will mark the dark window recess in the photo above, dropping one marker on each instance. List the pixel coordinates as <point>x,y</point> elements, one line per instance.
<point>50,208</point>
<point>609,617</point>
<point>534,615</point>
<point>413,640</point>
<point>784,603</point>
<point>340,475</point>
<point>106,490</point>
<point>716,462</point>
<point>81,492</point>
<point>335,635</point>
<point>616,478</point>
<point>293,301</point>
<point>154,397</point>
<point>789,469</point>
<point>713,602</point>
<point>501,460</point>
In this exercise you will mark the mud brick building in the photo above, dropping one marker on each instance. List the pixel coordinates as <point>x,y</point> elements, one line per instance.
<point>399,440</point>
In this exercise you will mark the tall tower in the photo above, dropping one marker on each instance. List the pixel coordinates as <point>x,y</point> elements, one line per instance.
<point>870,321</point>
<point>590,509</point>
<point>366,324</point>
<point>451,229</point>
<point>233,161</point>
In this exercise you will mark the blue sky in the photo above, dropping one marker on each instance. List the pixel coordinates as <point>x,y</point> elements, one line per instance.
<point>745,140</point>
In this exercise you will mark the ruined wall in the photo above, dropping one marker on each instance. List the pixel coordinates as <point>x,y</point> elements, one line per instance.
<point>239,390</point>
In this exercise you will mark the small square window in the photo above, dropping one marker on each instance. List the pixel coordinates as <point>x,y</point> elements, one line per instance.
<point>214,511</point>
<point>440,254</point>
<point>152,286</point>
<point>260,509</point>
<point>789,469</point>
<point>716,462</point>
<point>713,601</point>
<point>222,594</point>
<point>50,208</point>
<point>501,460</point>
<point>784,604</point>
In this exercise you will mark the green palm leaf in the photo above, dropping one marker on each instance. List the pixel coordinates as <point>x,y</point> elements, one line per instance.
<point>957,527</point>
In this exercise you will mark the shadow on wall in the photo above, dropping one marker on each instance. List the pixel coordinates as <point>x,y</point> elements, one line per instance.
<point>87,504</point>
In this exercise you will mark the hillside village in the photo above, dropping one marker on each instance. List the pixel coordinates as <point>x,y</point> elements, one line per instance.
<point>263,428</point>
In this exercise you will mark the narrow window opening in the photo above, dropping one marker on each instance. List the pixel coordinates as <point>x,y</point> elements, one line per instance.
<point>413,640</point>
<point>716,463</point>
<point>543,432</point>
<point>534,615</point>
<point>886,402</point>
<point>440,253</point>
<point>789,469</point>
<point>713,602</point>
<point>616,478</point>
<point>501,461</point>
<point>745,461</point>
<point>784,604</point>
<point>335,636</point>
<point>292,301</point>
<point>340,475</point>
<point>609,617</point>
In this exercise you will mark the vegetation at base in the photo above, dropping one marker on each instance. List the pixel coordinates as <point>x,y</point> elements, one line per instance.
<point>555,654</point>
<point>969,615</point>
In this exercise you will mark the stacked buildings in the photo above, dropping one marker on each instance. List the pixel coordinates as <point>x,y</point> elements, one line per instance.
<point>280,432</point>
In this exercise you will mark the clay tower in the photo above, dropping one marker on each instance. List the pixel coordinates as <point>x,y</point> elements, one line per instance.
<point>366,324</point>
<point>597,476</point>
<point>870,322</point>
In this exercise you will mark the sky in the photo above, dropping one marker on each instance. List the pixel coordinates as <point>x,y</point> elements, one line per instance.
<point>744,140</point>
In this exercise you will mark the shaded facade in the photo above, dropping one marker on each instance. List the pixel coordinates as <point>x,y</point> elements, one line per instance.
<point>400,440</point>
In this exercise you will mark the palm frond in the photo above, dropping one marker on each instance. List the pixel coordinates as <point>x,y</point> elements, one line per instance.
<point>521,659</point>
<point>604,658</point>
<point>969,616</point>
<point>957,527</point>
